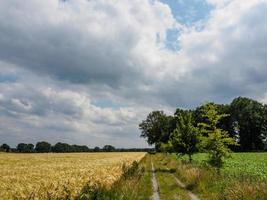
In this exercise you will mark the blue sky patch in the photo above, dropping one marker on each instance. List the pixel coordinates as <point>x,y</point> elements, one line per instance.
<point>106,103</point>
<point>8,78</point>
<point>188,13</point>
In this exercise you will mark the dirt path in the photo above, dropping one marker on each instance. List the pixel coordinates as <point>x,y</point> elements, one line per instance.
<point>155,195</point>
<point>192,196</point>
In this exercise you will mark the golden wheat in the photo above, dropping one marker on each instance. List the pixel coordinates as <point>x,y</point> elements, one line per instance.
<point>55,176</point>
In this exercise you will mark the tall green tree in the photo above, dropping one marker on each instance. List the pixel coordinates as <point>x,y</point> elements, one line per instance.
<point>180,111</point>
<point>184,138</point>
<point>224,123</point>
<point>251,119</point>
<point>215,141</point>
<point>156,128</point>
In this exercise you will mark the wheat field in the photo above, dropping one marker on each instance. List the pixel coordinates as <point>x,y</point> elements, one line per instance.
<point>56,176</point>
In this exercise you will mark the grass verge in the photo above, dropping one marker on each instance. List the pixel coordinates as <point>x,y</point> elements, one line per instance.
<point>209,185</point>
<point>135,184</point>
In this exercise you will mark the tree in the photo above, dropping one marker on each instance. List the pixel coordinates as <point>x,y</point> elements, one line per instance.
<point>250,118</point>
<point>29,148</point>
<point>180,112</point>
<point>215,141</point>
<point>64,147</point>
<point>108,148</point>
<point>42,147</point>
<point>169,126</point>
<point>25,148</point>
<point>166,147</point>
<point>79,148</point>
<point>157,128</point>
<point>21,147</point>
<point>184,138</point>
<point>97,149</point>
<point>61,147</point>
<point>5,147</point>
<point>225,123</point>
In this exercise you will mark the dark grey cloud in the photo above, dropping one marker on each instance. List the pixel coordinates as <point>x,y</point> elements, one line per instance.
<point>83,42</point>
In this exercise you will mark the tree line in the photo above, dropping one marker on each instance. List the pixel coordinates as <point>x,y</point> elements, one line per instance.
<point>46,147</point>
<point>213,128</point>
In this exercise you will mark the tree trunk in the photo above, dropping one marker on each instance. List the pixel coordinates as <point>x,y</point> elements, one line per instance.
<point>190,157</point>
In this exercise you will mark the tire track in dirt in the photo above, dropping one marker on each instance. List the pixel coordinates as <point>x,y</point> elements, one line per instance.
<point>155,195</point>
<point>192,195</point>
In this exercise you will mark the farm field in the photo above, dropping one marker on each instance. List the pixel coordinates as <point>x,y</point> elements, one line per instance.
<point>56,176</point>
<point>242,177</point>
<point>250,164</point>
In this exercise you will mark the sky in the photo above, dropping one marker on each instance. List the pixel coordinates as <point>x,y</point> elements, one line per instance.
<point>89,71</point>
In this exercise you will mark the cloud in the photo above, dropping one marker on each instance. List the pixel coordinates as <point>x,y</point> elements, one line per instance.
<point>86,41</point>
<point>228,56</point>
<point>51,110</point>
<point>88,72</point>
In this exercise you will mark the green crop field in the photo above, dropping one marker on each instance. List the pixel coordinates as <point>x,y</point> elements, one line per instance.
<point>252,164</point>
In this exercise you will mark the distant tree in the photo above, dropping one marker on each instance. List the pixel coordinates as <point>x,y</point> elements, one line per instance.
<point>156,128</point>
<point>29,148</point>
<point>21,147</point>
<point>97,149</point>
<point>184,138</point>
<point>108,148</point>
<point>61,147</point>
<point>5,147</point>
<point>42,147</point>
<point>250,117</point>
<point>79,148</point>
<point>214,140</point>
<point>84,148</point>
<point>25,148</point>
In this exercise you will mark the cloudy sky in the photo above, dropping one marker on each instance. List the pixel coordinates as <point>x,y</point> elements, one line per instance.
<point>88,71</point>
